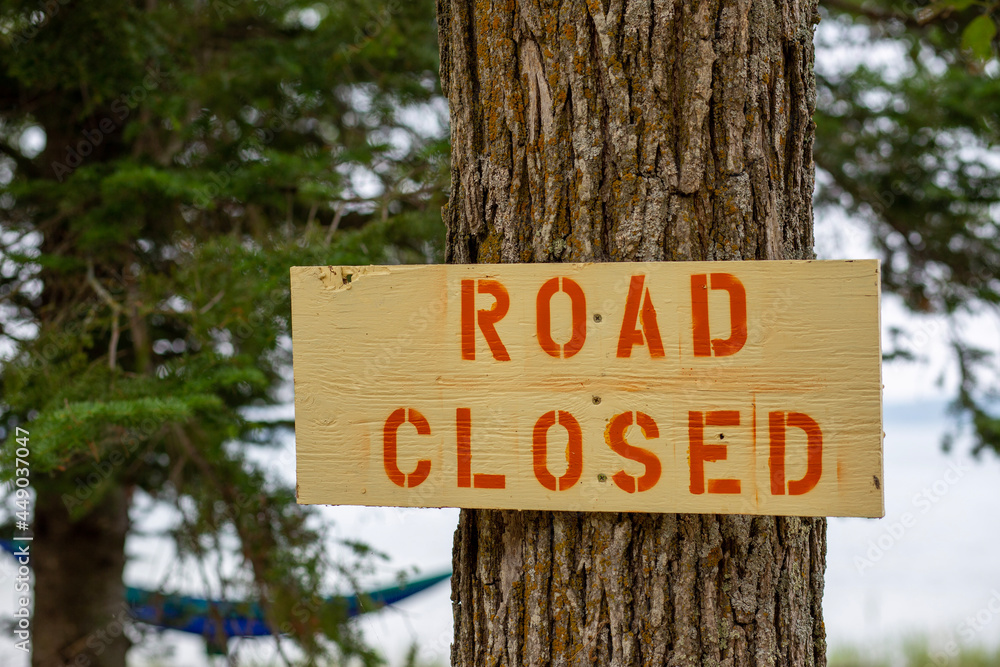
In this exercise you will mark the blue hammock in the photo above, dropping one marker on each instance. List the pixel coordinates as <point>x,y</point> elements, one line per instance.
<point>212,619</point>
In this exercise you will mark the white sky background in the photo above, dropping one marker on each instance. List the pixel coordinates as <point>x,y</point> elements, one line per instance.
<point>884,579</point>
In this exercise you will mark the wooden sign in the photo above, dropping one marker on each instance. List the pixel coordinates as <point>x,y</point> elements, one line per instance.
<point>713,387</point>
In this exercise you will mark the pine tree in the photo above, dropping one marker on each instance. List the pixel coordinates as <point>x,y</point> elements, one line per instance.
<point>163,165</point>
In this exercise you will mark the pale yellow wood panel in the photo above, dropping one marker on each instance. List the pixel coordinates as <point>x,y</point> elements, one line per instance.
<point>736,387</point>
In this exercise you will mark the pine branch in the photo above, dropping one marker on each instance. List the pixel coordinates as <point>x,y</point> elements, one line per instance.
<point>869,12</point>
<point>231,501</point>
<point>116,310</point>
<point>334,224</point>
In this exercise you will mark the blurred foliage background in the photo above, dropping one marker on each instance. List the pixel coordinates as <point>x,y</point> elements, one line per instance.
<point>162,164</point>
<point>910,146</point>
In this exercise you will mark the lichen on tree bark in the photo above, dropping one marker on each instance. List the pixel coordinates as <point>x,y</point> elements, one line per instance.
<point>604,130</point>
<point>596,131</point>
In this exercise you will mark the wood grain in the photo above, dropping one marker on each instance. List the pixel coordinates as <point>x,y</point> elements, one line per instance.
<point>370,341</point>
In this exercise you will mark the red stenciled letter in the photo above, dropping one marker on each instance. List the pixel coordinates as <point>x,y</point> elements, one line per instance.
<point>615,437</point>
<point>543,317</point>
<point>723,347</point>
<point>463,425</point>
<point>630,334</point>
<point>777,422</point>
<point>487,318</point>
<point>699,452</point>
<point>574,450</point>
<point>392,424</point>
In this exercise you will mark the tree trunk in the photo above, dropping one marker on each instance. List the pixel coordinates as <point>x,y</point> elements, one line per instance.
<point>78,563</point>
<point>80,607</point>
<point>641,131</point>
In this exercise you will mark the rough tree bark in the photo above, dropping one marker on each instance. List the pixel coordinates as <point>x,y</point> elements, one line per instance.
<point>604,130</point>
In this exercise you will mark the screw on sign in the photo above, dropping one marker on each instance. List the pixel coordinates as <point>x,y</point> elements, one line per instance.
<point>751,390</point>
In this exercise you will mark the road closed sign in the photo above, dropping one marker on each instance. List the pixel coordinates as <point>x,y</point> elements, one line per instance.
<point>710,387</point>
